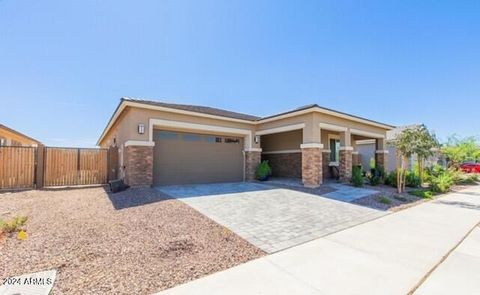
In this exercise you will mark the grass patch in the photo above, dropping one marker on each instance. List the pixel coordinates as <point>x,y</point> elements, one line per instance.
<point>13,225</point>
<point>384,200</point>
<point>422,194</point>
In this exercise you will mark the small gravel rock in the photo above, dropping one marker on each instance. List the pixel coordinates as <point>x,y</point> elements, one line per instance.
<point>134,242</point>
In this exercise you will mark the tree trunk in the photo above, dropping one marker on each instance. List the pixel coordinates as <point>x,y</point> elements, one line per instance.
<point>420,169</point>
<point>399,172</point>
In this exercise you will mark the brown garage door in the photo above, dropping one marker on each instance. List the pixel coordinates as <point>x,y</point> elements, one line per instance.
<point>183,158</point>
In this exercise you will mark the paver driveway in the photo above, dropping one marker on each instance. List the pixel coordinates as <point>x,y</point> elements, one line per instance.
<point>271,218</point>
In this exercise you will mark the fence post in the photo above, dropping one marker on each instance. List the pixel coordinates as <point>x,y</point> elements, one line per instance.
<point>40,165</point>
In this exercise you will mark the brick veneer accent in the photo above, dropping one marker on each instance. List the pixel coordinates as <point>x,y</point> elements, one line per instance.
<point>138,162</point>
<point>312,167</point>
<point>381,159</point>
<point>355,159</point>
<point>345,165</point>
<point>325,167</point>
<point>252,159</point>
<point>285,164</point>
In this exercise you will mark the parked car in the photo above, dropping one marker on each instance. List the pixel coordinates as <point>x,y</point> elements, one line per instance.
<point>470,167</point>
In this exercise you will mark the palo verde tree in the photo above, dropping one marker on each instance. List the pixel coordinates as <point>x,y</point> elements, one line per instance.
<point>417,140</point>
<point>459,150</point>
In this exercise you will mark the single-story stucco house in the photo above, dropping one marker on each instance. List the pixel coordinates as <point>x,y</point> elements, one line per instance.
<point>164,143</point>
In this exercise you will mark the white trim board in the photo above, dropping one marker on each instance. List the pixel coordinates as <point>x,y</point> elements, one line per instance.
<point>200,127</point>
<point>311,145</point>
<point>281,129</point>
<point>366,133</point>
<point>282,152</point>
<point>332,127</point>
<point>139,143</point>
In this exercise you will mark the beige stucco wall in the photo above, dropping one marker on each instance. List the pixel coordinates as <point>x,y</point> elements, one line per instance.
<point>127,126</point>
<point>9,137</point>
<point>290,140</point>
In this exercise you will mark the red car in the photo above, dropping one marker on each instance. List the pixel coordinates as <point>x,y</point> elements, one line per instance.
<point>470,167</point>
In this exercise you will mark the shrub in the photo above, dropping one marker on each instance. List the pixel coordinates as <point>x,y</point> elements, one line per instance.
<point>357,177</point>
<point>384,200</point>
<point>412,179</point>
<point>422,194</point>
<point>442,183</point>
<point>376,176</point>
<point>460,177</point>
<point>12,225</point>
<point>391,179</point>
<point>263,171</point>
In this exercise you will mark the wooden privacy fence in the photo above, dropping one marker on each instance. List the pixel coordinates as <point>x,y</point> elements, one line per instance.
<point>74,166</point>
<point>17,167</point>
<point>30,167</point>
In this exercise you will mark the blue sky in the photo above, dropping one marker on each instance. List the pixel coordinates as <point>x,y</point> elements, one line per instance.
<point>65,64</point>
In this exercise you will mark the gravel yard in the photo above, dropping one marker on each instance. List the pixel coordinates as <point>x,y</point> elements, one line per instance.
<point>133,242</point>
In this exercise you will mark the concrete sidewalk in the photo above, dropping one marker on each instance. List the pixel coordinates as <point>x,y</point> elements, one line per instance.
<point>389,255</point>
<point>459,273</point>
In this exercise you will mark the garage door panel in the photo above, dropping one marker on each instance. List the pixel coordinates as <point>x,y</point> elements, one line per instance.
<point>192,158</point>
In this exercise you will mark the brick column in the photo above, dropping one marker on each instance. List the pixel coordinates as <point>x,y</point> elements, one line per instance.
<point>345,165</point>
<point>381,158</point>
<point>325,161</point>
<point>312,164</point>
<point>138,162</point>
<point>252,159</point>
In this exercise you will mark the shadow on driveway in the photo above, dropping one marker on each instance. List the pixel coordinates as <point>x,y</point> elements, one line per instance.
<point>134,197</point>
<point>211,189</point>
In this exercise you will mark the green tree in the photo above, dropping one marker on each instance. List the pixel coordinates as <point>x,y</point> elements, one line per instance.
<point>417,140</point>
<point>459,150</point>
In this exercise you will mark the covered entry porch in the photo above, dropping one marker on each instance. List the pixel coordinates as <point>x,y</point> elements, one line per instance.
<point>316,153</point>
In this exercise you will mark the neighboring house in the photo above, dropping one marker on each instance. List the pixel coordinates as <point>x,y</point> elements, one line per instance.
<point>10,137</point>
<point>366,152</point>
<point>163,143</point>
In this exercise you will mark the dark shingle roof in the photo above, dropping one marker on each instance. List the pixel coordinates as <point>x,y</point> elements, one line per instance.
<point>196,108</point>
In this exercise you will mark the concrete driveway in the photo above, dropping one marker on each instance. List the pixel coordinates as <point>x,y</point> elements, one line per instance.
<point>269,217</point>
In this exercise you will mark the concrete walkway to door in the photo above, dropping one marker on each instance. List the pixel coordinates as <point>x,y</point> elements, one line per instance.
<point>389,255</point>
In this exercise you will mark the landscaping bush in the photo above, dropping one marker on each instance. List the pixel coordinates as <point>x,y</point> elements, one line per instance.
<point>357,176</point>
<point>422,194</point>
<point>263,171</point>
<point>13,225</point>
<point>462,178</point>
<point>376,176</point>
<point>391,179</point>
<point>442,183</point>
<point>384,200</point>
<point>412,179</point>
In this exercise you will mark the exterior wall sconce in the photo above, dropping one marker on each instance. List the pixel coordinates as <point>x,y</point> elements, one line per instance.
<point>141,128</point>
<point>257,139</point>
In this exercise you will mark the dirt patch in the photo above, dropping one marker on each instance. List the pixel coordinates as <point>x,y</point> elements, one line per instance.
<point>146,246</point>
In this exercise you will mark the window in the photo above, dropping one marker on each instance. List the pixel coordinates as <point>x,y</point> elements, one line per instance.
<point>213,139</point>
<point>3,141</point>
<point>232,140</point>
<point>191,137</point>
<point>334,150</point>
<point>168,135</point>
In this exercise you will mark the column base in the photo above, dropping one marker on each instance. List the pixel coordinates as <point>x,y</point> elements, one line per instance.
<point>312,167</point>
